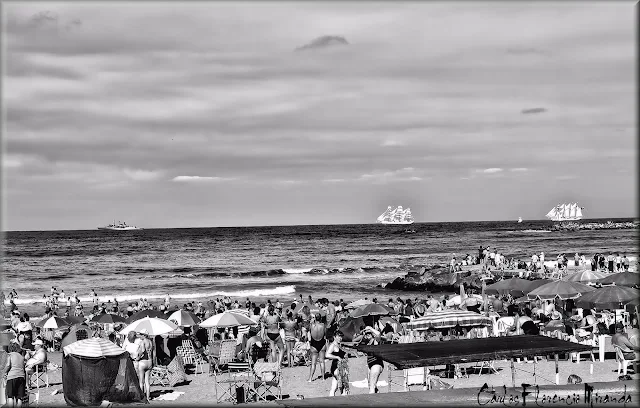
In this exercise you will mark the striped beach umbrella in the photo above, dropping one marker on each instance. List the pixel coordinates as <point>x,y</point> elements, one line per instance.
<point>608,297</point>
<point>449,318</point>
<point>559,289</point>
<point>93,347</point>
<point>183,318</point>
<point>585,276</point>
<point>153,325</point>
<point>227,319</point>
<point>53,322</point>
<point>622,279</point>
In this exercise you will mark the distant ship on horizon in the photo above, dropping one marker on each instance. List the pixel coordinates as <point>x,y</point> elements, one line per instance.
<point>397,216</point>
<point>120,226</point>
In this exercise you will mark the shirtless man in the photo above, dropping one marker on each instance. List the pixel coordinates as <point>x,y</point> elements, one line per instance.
<point>318,342</point>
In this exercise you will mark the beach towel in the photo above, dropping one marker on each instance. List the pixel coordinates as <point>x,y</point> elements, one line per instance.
<point>170,396</point>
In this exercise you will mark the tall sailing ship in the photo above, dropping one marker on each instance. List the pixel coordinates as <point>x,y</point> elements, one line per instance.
<point>565,212</point>
<point>398,216</point>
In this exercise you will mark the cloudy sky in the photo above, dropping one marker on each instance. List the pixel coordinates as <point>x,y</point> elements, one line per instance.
<point>202,114</point>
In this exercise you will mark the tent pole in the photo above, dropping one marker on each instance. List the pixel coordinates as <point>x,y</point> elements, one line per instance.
<point>555,357</point>
<point>513,373</point>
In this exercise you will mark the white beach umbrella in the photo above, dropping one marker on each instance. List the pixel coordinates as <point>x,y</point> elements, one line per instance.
<point>227,319</point>
<point>153,325</point>
<point>93,347</point>
<point>358,303</point>
<point>184,318</point>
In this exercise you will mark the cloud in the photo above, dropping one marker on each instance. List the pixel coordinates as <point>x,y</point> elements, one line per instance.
<point>519,169</point>
<point>491,170</point>
<point>533,111</point>
<point>199,179</point>
<point>324,42</point>
<point>143,175</point>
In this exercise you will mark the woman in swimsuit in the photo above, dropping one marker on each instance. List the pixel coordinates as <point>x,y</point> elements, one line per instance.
<point>304,316</point>
<point>146,357</point>
<point>339,368</point>
<point>318,342</point>
<point>272,326</point>
<point>290,326</point>
<point>374,364</point>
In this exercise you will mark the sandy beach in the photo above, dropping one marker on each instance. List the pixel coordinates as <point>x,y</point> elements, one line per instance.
<point>199,388</point>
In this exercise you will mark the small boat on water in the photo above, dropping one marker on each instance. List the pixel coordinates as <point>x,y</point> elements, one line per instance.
<point>397,216</point>
<point>120,226</point>
<point>519,220</point>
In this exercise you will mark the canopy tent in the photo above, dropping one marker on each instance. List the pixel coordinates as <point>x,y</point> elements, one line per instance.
<point>622,279</point>
<point>449,318</point>
<point>608,297</point>
<point>585,276</point>
<point>559,289</point>
<point>95,370</point>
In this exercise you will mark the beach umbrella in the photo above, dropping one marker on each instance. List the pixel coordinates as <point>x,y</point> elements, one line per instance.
<point>244,312</point>
<point>608,297</point>
<point>53,322</point>
<point>559,289</point>
<point>586,276</point>
<point>153,325</point>
<point>358,303</point>
<point>313,308</point>
<point>622,279</point>
<point>74,336</point>
<point>350,327</point>
<point>107,318</point>
<point>539,282</point>
<point>372,309</point>
<point>457,300</point>
<point>227,319</point>
<point>183,318</point>
<point>174,333</point>
<point>146,313</point>
<point>515,287</point>
<point>93,347</point>
<point>449,318</point>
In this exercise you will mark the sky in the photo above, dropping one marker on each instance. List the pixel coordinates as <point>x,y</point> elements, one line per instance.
<point>229,114</point>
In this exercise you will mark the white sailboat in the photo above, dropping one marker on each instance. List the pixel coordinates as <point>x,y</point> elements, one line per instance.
<point>398,216</point>
<point>565,212</point>
<point>519,220</point>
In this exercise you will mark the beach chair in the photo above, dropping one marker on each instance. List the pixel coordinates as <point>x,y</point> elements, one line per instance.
<point>623,363</point>
<point>233,382</point>
<point>169,375</point>
<point>190,356</point>
<point>40,377</point>
<point>226,355</point>
<point>267,381</point>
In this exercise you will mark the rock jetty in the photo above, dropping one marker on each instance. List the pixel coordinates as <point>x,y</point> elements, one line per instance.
<point>575,226</point>
<point>437,279</point>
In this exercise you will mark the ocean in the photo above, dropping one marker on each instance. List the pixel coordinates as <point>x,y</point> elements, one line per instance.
<point>334,261</point>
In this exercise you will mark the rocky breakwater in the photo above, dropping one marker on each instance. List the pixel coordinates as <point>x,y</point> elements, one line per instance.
<point>437,278</point>
<point>574,226</point>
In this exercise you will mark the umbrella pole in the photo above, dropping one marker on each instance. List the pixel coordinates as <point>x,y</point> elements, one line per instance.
<point>513,373</point>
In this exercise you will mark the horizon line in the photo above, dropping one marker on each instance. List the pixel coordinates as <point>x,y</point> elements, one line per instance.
<point>635,218</point>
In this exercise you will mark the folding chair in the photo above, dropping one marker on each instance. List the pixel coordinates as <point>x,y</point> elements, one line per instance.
<point>623,363</point>
<point>226,355</point>
<point>235,376</point>
<point>267,381</point>
<point>190,356</point>
<point>170,375</point>
<point>40,377</point>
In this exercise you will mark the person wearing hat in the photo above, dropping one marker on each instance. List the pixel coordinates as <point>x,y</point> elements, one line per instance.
<point>36,357</point>
<point>146,357</point>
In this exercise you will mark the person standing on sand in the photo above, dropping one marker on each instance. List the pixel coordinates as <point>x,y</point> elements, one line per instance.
<point>290,327</point>
<point>625,263</point>
<point>15,376</point>
<point>318,342</point>
<point>146,357</point>
<point>272,327</point>
<point>610,260</point>
<point>339,366</point>
<point>167,302</point>
<point>618,262</point>
<point>375,365</point>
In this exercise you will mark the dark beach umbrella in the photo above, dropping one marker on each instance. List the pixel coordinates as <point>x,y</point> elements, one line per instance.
<point>350,327</point>
<point>539,282</point>
<point>515,287</point>
<point>608,297</point>
<point>107,318</point>
<point>622,279</point>
<point>146,313</point>
<point>53,322</point>
<point>75,319</point>
<point>184,318</point>
<point>77,332</point>
<point>372,309</point>
<point>559,289</point>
